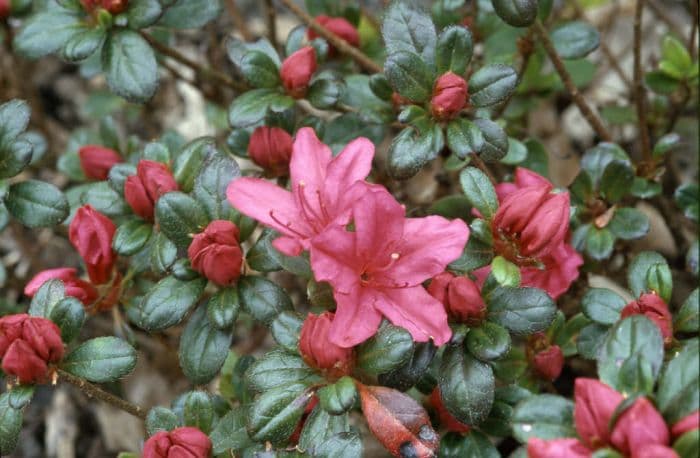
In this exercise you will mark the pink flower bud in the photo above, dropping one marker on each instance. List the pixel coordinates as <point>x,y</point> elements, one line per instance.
<point>559,448</point>
<point>439,285</point>
<point>638,427</point>
<point>271,149</point>
<point>74,286</point>
<point>340,27</point>
<point>5,7</point>
<point>184,442</point>
<point>27,345</point>
<point>317,349</point>
<point>297,70</point>
<point>688,423</point>
<point>142,191</point>
<point>115,6</point>
<point>655,451</point>
<point>460,296</point>
<point>91,234</point>
<point>447,421</point>
<point>96,161</point>
<point>216,254</point>
<point>594,405</point>
<point>653,307</point>
<point>449,96</point>
<point>549,363</point>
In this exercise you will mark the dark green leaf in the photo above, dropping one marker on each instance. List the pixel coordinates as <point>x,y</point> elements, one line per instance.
<point>101,360</point>
<point>179,216</point>
<point>319,426</point>
<point>479,191</point>
<point>46,298</point>
<point>411,150</point>
<point>14,119</point>
<point>198,411</point>
<point>454,50</point>
<point>142,13</point>
<point>275,414</point>
<point>278,369</point>
<point>464,137</point>
<point>131,237</point>
<point>407,28</point>
<point>342,445</point>
<point>230,432</point>
<point>259,69</point>
<point>575,40</point>
<point>408,374</point>
<point>130,65</point>
<point>160,419</point>
<point>488,342</point>
<point>338,397</point>
<point>262,298</point>
<point>473,444</point>
<point>251,107</point>
<point>616,181</point>
<point>466,385</point>
<point>409,75</point>
<point>687,196</point>
<point>648,272</point>
<point>36,204</point>
<point>83,44</point>
<point>521,310</point>
<point>203,348</point>
<point>591,339</point>
<point>679,385</point>
<point>190,14</point>
<point>492,84</point>
<point>46,32</point>
<point>167,303</point>
<point>599,243</point>
<point>518,13</point>
<point>69,316</point>
<point>545,416</point>
<point>688,445</point>
<point>222,308</point>
<point>190,160</point>
<point>688,317</point>
<point>211,183</point>
<point>629,224</point>
<point>495,145</point>
<point>324,93</point>
<point>10,425</point>
<point>602,305</point>
<point>285,329</point>
<point>385,351</point>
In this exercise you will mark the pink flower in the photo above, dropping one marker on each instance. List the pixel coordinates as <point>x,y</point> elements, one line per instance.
<point>685,424</point>
<point>653,307</point>
<point>377,269</point>
<point>639,427</point>
<point>595,403</point>
<point>339,26</point>
<point>556,448</point>
<point>297,70</point>
<point>449,96</point>
<point>318,350</point>
<point>655,451</point>
<point>559,270</point>
<point>322,191</point>
<point>183,442</point>
<point>74,286</point>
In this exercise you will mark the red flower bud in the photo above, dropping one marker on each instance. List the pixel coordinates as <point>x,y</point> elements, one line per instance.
<point>96,161</point>
<point>556,448</point>
<point>216,254</point>
<point>271,149</point>
<point>593,409</point>
<point>549,363</point>
<point>297,70</point>
<point>184,442</point>
<point>461,297</point>
<point>74,286</point>
<point>91,234</point>
<point>688,423</point>
<point>5,7</point>
<point>639,427</point>
<point>449,96</point>
<point>317,349</point>
<point>653,307</point>
<point>115,6</point>
<point>448,421</point>
<point>142,191</point>
<point>340,27</point>
<point>27,345</point>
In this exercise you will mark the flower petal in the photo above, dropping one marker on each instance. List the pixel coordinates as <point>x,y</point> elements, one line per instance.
<point>352,164</point>
<point>356,320</point>
<point>379,222</point>
<point>310,159</point>
<point>333,259</point>
<point>289,245</point>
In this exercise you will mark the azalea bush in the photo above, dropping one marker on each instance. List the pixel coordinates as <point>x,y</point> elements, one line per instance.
<point>371,246</point>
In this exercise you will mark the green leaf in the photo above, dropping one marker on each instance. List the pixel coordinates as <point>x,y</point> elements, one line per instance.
<point>211,183</point>
<point>160,419</point>
<point>275,414</point>
<point>466,386</point>
<point>602,305</point>
<point>688,445</point>
<point>649,272</point>
<point>179,216</point>
<point>496,144</point>
<point>36,204</point>
<point>688,317</point>
<point>521,310</point>
<point>678,393</point>
<point>230,432</point>
<point>599,243</point>
<point>260,70</point>
<point>491,84</point>
<point>518,13</point>
<point>277,369</point>
<point>661,83</point>
<point>198,411</point>
<point>616,181</point>
<point>634,338</point>
<point>409,373</point>
<point>409,76</point>
<point>666,144</point>
<point>454,50</point>
<point>407,28</point>
<point>686,197</point>
<point>190,14</point>
<point>162,253</point>
<point>103,198</point>
<point>479,191</point>
<point>464,137</point>
<point>14,156</point>
<point>83,43</point>
<point>629,224</point>
<point>14,119</point>
<point>222,308</point>
<point>411,150</point>
<point>575,39</point>
<point>338,397</point>
<point>130,65</point>
<point>473,444</point>
<point>236,49</point>
<point>517,152</point>
<point>263,299</point>
<point>190,160</point>
<point>488,342</point>
<point>251,107</point>
<point>101,360</point>
<point>505,272</point>
<point>285,329</point>
<point>390,347</point>
<point>677,62</point>
<point>131,237</point>
<point>319,426</point>
<point>69,316</point>
<point>46,32</point>
<point>167,303</point>
<point>591,339</point>
<point>142,13</point>
<point>203,348</point>
<point>596,159</point>
<point>340,446</point>
<point>10,424</point>
<point>324,93</point>
<point>544,416</point>
<point>46,298</point>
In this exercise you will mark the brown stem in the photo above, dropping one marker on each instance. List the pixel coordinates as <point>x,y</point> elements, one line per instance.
<point>481,165</point>
<point>640,96</point>
<point>693,28</point>
<point>206,71</point>
<point>238,20</point>
<point>94,391</point>
<point>341,45</point>
<point>578,99</point>
<point>271,22</point>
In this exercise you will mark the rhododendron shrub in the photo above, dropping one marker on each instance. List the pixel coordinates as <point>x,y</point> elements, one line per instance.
<point>410,229</point>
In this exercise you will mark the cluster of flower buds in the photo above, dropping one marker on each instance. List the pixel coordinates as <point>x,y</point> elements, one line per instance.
<point>296,71</point>
<point>653,307</point>
<point>546,359</point>
<point>142,191</point>
<point>340,27</point>
<point>461,297</point>
<point>96,161</point>
<point>450,96</point>
<point>216,253</point>
<point>319,351</point>
<point>28,345</point>
<point>113,6</point>
<point>271,149</point>
<point>184,442</point>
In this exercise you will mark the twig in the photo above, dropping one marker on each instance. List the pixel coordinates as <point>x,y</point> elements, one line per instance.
<point>481,165</point>
<point>341,45</point>
<point>580,102</point>
<point>238,20</point>
<point>96,392</point>
<point>271,22</point>
<point>208,72</point>
<point>693,29</point>
<point>640,93</point>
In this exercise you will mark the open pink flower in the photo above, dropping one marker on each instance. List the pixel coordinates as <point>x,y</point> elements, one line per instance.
<point>377,269</point>
<point>322,191</point>
<point>556,448</point>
